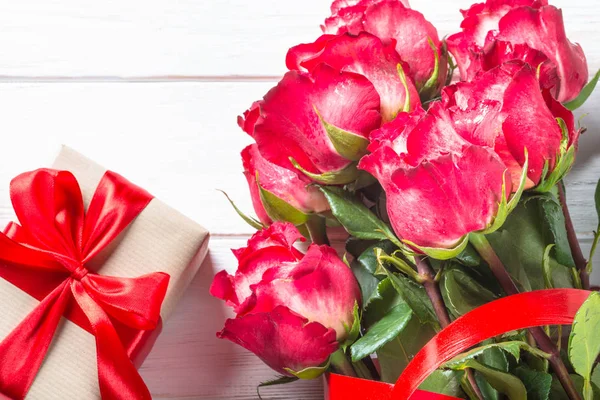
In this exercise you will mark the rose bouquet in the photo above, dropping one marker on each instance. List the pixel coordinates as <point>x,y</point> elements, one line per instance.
<point>443,160</point>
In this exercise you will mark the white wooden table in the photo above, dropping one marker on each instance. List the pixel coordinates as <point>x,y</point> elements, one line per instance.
<point>152,89</point>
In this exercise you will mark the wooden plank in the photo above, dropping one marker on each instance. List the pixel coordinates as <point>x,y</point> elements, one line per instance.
<point>73,38</point>
<point>181,142</point>
<point>189,362</point>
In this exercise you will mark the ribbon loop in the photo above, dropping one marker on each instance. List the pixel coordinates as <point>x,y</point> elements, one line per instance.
<point>47,255</point>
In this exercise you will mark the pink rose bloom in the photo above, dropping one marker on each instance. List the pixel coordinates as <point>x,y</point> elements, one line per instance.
<point>292,309</point>
<point>528,30</point>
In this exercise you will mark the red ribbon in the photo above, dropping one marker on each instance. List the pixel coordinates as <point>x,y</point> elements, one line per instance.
<point>49,257</point>
<point>521,311</point>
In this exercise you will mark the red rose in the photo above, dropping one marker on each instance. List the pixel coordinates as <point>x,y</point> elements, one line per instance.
<point>504,109</point>
<point>293,187</point>
<point>318,122</point>
<point>292,308</point>
<point>394,22</point>
<point>439,187</point>
<point>529,30</point>
<point>366,55</point>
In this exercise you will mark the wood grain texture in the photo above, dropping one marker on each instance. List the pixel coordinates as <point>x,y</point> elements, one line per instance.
<point>152,89</point>
<point>133,38</point>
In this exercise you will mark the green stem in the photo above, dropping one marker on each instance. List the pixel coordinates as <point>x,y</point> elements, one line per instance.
<point>403,267</point>
<point>317,228</point>
<point>485,250</point>
<point>342,364</point>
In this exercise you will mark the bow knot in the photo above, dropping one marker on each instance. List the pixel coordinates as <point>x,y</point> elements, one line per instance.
<point>79,273</point>
<point>57,236</point>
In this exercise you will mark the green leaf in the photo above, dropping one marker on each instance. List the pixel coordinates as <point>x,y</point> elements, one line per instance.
<point>513,348</point>
<point>585,93</point>
<point>278,209</point>
<point>443,382</point>
<point>382,332</point>
<point>384,299</point>
<point>496,359</point>
<point>503,382</point>
<point>555,220</point>
<point>548,283</point>
<point>347,144</point>
<point>395,355</point>
<point>462,293</point>
<point>589,266</point>
<point>356,218</point>
<point>558,393</point>
<point>282,380</point>
<point>584,342</point>
<point>416,297</point>
<point>341,177</point>
<point>521,243</point>
<point>249,220</point>
<point>469,257</point>
<point>364,267</point>
<point>537,383</point>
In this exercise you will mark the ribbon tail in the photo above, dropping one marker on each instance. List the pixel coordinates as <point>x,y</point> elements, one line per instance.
<point>118,377</point>
<point>24,349</point>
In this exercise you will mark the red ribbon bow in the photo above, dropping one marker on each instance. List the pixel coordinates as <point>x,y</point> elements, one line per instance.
<point>48,257</point>
<point>521,311</point>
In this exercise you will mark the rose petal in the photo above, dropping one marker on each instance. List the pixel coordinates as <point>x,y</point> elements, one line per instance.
<point>543,29</point>
<point>250,117</point>
<point>366,55</point>
<point>290,126</point>
<point>291,186</point>
<point>321,288</point>
<point>438,202</point>
<point>282,339</point>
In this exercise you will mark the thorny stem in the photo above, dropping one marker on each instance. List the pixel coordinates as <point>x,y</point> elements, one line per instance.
<point>341,363</point>
<point>486,251</point>
<point>578,257</point>
<point>427,275</point>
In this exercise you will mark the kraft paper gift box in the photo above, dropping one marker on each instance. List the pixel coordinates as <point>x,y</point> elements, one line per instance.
<point>160,239</point>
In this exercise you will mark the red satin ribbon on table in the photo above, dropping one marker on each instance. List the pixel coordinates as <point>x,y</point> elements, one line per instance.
<point>521,311</point>
<point>48,256</point>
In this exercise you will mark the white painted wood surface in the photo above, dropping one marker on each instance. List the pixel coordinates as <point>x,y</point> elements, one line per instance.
<point>152,89</point>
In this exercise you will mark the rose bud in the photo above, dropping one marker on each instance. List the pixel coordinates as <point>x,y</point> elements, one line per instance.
<point>293,309</point>
<point>528,30</point>
<point>504,109</point>
<point>280,194</point>
<point>316,122</point>
<point>366,55</point>
<point>439,187</point>
<point>415,39</point>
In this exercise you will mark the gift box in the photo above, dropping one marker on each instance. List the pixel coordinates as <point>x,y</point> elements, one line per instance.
<point>158,240</point>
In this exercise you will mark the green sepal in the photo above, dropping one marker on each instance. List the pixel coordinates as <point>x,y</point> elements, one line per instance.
<point>431,87</point>
<point>282,380</point>
<point>585,93</point>
<point>505,208</point>
<point>402,76</point>
<point>253,222</point>
<point>354,330</point>
<point>341,177</point>
<point>441,253</point>
<point>310,372</point>
<point>564,161</point>
<point>278,209</point>
<point>347,144</point>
